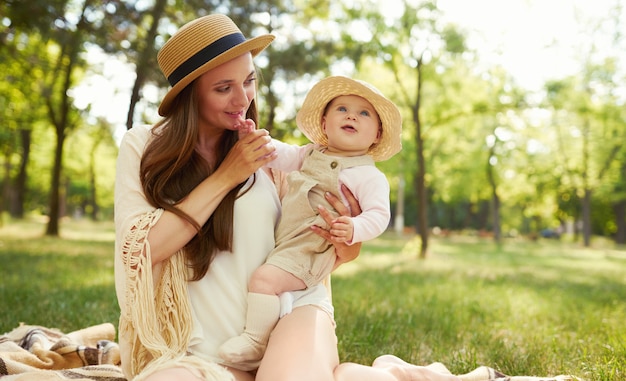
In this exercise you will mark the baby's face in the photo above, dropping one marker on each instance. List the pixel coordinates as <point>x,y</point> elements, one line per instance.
<point>351,125</point>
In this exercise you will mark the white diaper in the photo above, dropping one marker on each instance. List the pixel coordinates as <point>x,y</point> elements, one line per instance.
<point>316,296</point>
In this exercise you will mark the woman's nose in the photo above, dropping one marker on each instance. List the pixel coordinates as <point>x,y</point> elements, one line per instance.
<point>240,97</point>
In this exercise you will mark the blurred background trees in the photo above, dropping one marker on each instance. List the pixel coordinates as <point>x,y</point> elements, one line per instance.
<point>482,153</point>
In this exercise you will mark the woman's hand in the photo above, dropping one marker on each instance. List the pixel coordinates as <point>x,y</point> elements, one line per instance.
<point>344,253</point>
<point>252,151</point>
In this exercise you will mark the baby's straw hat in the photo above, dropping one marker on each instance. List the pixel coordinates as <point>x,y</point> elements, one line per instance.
<point>200,46</point>
<point>309,118</point>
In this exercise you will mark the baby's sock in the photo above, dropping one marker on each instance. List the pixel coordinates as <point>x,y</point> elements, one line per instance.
<point>261,317</point>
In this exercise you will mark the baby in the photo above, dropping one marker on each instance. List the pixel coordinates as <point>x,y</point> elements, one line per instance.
<point>351,125</point>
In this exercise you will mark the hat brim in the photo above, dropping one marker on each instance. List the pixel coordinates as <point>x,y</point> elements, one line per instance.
<point>309,118</point>
<point>254,45</point>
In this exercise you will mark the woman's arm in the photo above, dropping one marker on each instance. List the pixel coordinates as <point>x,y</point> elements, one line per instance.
<point>171,232</point>
<point>344,253</point>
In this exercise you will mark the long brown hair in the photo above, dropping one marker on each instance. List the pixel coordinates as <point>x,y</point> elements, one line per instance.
<point>171,168</point>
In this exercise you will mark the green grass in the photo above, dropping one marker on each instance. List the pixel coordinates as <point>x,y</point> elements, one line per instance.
<point>526,308</point>
<point>531,308</point>
<point>65,283</point>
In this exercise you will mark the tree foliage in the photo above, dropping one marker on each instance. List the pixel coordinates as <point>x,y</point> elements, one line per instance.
<point>480,153</point>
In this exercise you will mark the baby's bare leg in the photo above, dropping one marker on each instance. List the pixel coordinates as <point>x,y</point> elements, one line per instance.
<point>272,280</point>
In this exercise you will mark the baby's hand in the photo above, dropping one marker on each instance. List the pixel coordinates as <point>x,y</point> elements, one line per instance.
<point>244,127</point>
<point>342,229</point>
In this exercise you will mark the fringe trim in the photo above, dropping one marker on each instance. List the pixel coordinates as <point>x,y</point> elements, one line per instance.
<point>156,316</point>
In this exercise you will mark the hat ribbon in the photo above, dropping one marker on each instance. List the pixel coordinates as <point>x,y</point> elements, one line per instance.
<point>205,55</point>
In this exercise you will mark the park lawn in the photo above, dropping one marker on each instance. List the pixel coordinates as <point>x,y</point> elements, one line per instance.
<point>65,283</point>
<point>532,308</point>
<point>525,308</point>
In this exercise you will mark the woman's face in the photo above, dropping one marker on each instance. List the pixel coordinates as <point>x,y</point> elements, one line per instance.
<point>225,93</point>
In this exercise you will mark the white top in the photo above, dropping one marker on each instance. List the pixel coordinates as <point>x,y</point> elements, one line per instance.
<point>219,300</point>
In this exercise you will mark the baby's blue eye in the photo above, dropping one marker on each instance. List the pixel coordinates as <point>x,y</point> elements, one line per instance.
<point>365,113</point>
<point>341,108</point>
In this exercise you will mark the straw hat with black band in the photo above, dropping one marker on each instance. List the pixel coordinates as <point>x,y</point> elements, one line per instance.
<point>200,46</point>
<point>309,118</point>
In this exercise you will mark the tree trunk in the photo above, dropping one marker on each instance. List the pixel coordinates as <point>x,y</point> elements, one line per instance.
<point>619,207</point>
<point>93,200</point>
<point>620,221</point>
<point>145,60</point>
<point>6,188</point>
<point>495,199</point>
<point>420,176</point>
<point>17,208</point>
<point>586,202</point>
<point>59,112</point>
<point>54,204</point>
<point>497,230</point>
<point>587,217</point>
<point>398,223</point>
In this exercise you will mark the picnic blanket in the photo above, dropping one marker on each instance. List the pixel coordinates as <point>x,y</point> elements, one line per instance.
<point>36,353</point>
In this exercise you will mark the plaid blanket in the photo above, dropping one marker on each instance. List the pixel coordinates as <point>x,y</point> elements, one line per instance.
<point>35,353</point>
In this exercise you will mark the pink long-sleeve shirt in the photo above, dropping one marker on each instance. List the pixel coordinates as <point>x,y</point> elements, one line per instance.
<point>367,183</point>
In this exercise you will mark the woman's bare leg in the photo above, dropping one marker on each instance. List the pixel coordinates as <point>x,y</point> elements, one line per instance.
<point>302,347</point>
<point>391,368</point>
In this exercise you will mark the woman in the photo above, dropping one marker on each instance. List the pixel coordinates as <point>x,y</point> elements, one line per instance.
<point>195,213</point>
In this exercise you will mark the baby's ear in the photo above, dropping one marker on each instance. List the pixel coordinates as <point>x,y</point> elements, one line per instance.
<point>379,135</point>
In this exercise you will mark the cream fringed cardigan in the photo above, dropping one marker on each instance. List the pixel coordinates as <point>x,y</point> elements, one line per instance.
<point>166,305</point>
<point>156,321</point>
<point>159,299</point>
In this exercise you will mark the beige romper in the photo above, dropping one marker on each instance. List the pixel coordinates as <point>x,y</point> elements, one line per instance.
<point>299,250</point>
